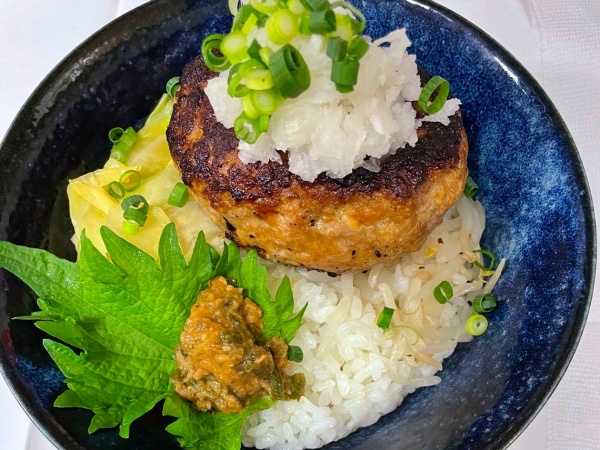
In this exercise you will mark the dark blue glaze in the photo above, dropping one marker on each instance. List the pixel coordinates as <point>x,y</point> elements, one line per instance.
<point>532,185</point>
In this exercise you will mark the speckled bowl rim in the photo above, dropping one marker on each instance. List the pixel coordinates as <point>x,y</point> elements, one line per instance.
<point>61,439</point>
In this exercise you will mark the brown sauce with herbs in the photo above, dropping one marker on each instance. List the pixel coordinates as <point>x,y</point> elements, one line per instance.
<point>222,364</point>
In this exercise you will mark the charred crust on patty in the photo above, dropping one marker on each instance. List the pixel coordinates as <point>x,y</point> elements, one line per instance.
<point>401,174</point>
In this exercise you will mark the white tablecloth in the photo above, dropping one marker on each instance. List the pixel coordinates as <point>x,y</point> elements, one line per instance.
<point>558,41</point>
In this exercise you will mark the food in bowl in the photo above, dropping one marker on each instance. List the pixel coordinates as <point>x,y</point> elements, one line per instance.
<point>358,359</point>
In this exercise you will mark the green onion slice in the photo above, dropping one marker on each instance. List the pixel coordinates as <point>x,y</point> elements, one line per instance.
<point>234,47</point>
<point>443,292</point>
<point>296,7</point>
<point>490,255</point>
<point>305,25</point>
<point>243,15</point>
<point>471,188</point>
<point>265,102</point>
<point>343,89</point>
<point>116,190</point>
<point>136,215</point>
<point>130,180</point>
<point>214,61</point>
<point>337,48</point>
<point>345,72</point>
<point>290,71</point>
<point>484,303</point>
<point>355,12</point>
<point>263,123</point>
<point>384,320</point>
<point>254,50</point>
<point>131,227</point>
<point>235,88</point>
<point>116,134</point>
<point>179,195</point>
<point>249,108</point>
<point>121,148</point>
<point>282,26</point>
<point>259,79</point>
<point>172,86</point>
<point>316,5</point>
<point>250,23</point>
<point>357,48</point>
<point>246,128</point>
<point>439,101</point>
<point>476,325</point>
<point>265,54</point>
<point>322,22</point>
<point>295,354</point>
<point>136,202</point>
<point>265,6</point>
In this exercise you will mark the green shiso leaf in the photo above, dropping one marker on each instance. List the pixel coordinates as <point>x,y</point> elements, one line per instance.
<point>208,431</point>
<point>126,316</point>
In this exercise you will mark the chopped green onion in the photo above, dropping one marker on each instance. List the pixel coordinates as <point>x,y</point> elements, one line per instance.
<point>116,190</point>
<point>244,14</point>
<point>322,22</point>
<point>295,354</point>
<point>246,129</point>
<point>359,26</point>
<point>137,202</point>
<point>296,7</point>
<point>259,79</point>
<point>136,215</point>
<point>344,72</point>
<point>484,303</point>
<point>116,134</point>
<point>343,27</point>
<point>179,195</point>
<point>250,24</point>
<point>305,26</point>
<point>282,26</point>
<point>471,188</point>
<point>249,108</point>
<point>213,61</point>
<point>490,255</point>
<point>234,47</point>
<point>131,227</point>
<point>263,123</point>
<point>121,148</point>
<point>265,102</point>
<point>476,325</point>
<point>172,86</point>
<point>129,185</point>
<point>265,6</point>
<point>443,292</point>
<point>233,6</point>
<point>337,48</point>
<point>385,318</point>
<point>343,89</point>
<point>254,50</point>
<point>290,71</point>
<point>265,54</point>
<point>438,103</point>
<point>357,48</point>
<point>316,5</point>
<point>237,75</point>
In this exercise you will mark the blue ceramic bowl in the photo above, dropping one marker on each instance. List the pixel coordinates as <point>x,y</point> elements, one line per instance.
<point>532,185</point>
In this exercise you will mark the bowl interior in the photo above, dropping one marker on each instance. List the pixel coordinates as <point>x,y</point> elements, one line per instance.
<point>521,155</point>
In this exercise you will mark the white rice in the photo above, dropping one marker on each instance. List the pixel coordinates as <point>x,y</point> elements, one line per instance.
<point>355,372</point>
<point>325,131</point>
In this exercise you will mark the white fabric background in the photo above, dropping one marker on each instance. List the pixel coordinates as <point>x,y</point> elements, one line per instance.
<point>558,41</point>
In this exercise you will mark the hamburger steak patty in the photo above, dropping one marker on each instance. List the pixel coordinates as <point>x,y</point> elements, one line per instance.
<point>333,225</point>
